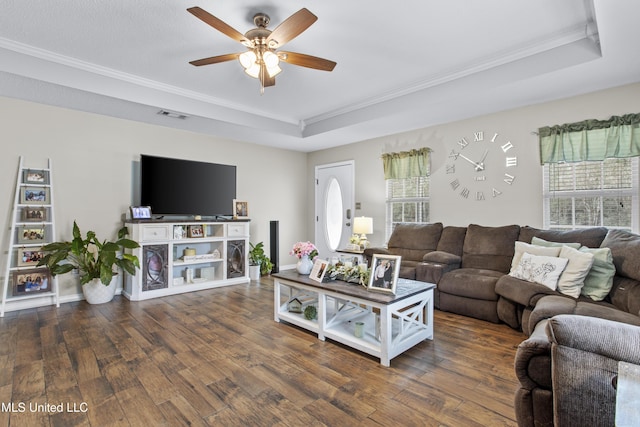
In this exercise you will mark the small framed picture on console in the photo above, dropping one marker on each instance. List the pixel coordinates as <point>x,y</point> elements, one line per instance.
<point>140,212</point>
<point>240,209</point>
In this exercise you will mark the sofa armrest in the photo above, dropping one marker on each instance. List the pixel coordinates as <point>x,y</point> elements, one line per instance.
<point>369,252</point>
<point>614,340</point>
<point>435,264</point>
<point>533,360</point>
<point>520,291</point>
<point>441,257</point>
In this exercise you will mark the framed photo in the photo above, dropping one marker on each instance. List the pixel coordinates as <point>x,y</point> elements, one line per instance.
<point>318,270</point>
<point>30,235</point>
<point>195,231</point>
<point>35,176</point>
<point>240,209</point>
<point>34,195</point>
<point>30,281</point>
<point>384,273</point>
<point>140,212</point>
<point>34,214</point>
<point>29,256</point>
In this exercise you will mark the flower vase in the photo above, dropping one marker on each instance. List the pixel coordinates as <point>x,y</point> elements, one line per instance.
<point>304,265</point>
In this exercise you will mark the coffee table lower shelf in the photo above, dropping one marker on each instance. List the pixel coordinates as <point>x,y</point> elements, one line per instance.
<point>392,323</point>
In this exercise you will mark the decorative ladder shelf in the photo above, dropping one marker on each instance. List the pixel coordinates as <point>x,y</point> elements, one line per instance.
<point>32,226</point>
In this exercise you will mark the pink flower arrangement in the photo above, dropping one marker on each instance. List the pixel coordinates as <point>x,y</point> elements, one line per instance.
<point>301,249</point>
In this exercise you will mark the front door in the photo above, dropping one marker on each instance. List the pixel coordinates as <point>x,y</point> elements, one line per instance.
<point>335,202</point>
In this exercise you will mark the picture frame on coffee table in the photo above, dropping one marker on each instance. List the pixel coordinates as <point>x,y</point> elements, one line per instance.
<point>385,270</point>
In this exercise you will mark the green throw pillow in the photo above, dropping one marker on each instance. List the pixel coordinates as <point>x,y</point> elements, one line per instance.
<point>599,281</point>
<point>541,242</point>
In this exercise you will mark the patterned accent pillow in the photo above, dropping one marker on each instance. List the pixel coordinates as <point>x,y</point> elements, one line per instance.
<point>545,270</point>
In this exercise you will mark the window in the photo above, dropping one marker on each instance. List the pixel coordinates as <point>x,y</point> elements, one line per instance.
<point>407,202</point>
<point>587,194</point>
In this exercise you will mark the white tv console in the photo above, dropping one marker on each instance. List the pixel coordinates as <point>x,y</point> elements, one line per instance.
<point>186,256</point>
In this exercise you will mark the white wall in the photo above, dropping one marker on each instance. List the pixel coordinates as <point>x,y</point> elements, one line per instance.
<point>93,162</point>
<point>521,205</point>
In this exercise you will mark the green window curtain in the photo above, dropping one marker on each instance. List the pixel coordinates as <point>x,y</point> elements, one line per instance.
<point>617,137</point>
<point>406,164</point>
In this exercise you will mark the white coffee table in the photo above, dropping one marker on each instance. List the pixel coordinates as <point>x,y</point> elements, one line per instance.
<point>392,323</point>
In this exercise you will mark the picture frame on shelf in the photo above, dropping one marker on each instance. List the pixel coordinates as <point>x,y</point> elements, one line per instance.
<point>318,270</point>
<point>35,176</point>
<point>34,196</point>
<point>140,212</point>
<point>240,209</point>
<point>385,270</point>
<point>29,256</point>
<point>195,230</point>
<point>29,235</point>
<point>35,214</point>
<point>30,281</point>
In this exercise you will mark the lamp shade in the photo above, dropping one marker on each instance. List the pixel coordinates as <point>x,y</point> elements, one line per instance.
<point>362,225</point>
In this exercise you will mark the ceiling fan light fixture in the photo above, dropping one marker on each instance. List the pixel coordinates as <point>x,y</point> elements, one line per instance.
<point>274,71</point>
<point>270,59</point>
<point>247,59</point>
<point>253,70</point>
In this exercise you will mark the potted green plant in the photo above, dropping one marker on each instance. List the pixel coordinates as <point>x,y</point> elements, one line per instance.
<point>259,263</point>
<point>95,260</point>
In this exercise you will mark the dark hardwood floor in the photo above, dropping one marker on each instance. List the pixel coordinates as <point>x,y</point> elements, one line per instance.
<point>217,358</point>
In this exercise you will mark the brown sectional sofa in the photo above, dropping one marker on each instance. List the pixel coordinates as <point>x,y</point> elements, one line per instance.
<point>470,266</point>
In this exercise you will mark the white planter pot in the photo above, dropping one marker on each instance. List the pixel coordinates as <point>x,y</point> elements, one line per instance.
<point>254,272</point>
<point>97,293</point>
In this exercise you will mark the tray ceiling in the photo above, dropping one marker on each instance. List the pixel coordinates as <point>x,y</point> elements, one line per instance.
<point>411,65</point>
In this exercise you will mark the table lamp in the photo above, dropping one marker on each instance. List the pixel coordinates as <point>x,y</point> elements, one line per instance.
<point>363,225</point>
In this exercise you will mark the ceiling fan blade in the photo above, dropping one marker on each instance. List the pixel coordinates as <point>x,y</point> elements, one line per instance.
<point>307,61</point>
<point>215,59</point>
<point>218,24</point>
<point>292,27</point>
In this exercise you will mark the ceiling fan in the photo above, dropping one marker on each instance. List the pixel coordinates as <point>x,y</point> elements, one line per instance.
<point>261,60</point>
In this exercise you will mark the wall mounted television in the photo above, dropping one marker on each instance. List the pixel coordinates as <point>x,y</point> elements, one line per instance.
<point>186,187</point>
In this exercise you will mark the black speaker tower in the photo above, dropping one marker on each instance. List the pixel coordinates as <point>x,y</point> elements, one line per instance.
<point>273,246</point>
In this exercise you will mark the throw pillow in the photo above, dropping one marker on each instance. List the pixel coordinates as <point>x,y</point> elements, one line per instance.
<point>545,270</point>
<point>572,278</point>
<point>599,281</point>
<point>541,242</point>
<point>522,247</point>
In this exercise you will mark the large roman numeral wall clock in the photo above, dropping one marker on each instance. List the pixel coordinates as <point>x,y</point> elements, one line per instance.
<point>482,167</point>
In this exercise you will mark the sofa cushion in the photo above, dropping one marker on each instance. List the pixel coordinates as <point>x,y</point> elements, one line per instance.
<point>625,294</point>
<point>471,283</point>
<point>625,249</point>
<point>572,278</point>
<point>591,237</point>
<point>489,248</point>
<point>545,270</point>
<point>441,257</point>
<point>452,240</point>
<point>412,241</point>
<point>599,281</point>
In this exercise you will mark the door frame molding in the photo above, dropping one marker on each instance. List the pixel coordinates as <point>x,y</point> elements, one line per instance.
<point>352,202</point>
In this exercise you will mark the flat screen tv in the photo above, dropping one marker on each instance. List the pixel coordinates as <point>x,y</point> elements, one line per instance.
<point>186,187</point>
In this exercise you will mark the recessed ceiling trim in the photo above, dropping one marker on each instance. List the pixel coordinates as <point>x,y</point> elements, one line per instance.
<point>563,38</point>
<point>53,57</point>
